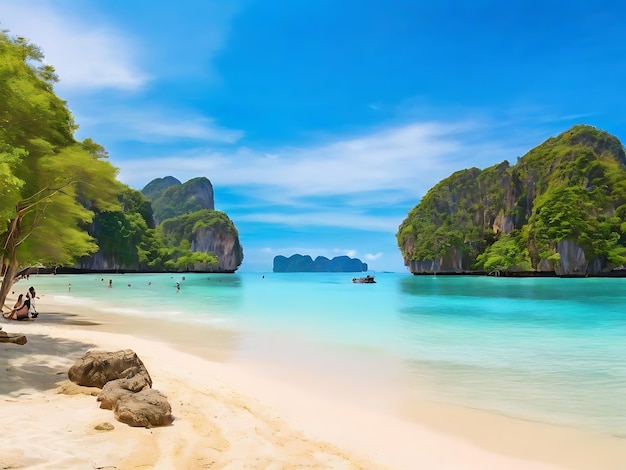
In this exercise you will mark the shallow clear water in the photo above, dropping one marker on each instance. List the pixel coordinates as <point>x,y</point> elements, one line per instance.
<point>552,350</point>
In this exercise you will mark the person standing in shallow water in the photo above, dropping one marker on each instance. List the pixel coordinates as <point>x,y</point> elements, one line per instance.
<point>110,282</point>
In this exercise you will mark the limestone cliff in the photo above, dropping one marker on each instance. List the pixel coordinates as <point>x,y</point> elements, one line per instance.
<point>100,261</point>
<point>455,261</point>
<point>189,239</point>
<point>207,231</point>
<point>170,198</point>
<point>224,244</point>
<point>560,209</point>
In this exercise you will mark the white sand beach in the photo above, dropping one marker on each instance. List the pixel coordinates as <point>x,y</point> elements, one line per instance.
<point>236,416</point>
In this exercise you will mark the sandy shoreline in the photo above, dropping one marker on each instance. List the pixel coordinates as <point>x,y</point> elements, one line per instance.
<point>235,415</point>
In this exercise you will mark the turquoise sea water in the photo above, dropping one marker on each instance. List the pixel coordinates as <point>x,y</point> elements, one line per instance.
<point>551,350</point>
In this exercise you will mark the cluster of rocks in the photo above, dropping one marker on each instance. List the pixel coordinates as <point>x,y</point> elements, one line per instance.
<point>126,387</point>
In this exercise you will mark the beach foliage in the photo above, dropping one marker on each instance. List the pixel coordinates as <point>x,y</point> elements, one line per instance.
<point>51,183</point>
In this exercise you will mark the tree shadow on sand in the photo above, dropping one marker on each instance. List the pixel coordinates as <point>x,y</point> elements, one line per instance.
<point>41,364</point>
<point>63,318</point>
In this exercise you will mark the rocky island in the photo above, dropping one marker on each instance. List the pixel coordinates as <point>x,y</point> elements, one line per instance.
<point>559,210</point>
<point>168,226</point>
<point>299,263</point>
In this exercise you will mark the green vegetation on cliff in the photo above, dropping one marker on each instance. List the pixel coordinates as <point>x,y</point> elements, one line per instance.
<point>180,232</point>
<point>176,229</point>
<point>157,186</point>
<point>127,236</point>
<point>170,198</point>
<point>566,197</point>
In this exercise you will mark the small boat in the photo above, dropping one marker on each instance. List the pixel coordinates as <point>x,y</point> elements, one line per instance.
<point>364,280</point>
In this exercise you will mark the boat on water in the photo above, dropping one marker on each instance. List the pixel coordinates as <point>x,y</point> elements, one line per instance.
<point>364,280</point>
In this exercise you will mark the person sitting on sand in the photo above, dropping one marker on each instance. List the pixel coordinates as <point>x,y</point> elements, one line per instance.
<point>19,304</point>
<point>20,309</point>
<point>31,295</point>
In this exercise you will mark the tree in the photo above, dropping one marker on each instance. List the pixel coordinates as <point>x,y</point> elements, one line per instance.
<point>51,184</point>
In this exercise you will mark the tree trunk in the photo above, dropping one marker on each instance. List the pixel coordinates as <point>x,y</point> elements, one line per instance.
<point>10,262</point>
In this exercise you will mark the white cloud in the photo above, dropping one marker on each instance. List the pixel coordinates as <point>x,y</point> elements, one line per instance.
<point>344,252</point>
<point>194,128</point>
<point>313,252</point>
<point>330,218</point>
<point>86,55</point>
<point>152,125</point>
<point>373,257</point>
<point>405,161</point>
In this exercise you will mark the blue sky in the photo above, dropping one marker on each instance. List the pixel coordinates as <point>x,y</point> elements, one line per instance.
<point>321,123</point>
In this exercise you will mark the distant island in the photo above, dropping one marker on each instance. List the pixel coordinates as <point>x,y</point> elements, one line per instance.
<point>305,264</point>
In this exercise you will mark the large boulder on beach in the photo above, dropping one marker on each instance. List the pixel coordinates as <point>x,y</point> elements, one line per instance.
<point>97,368</point>
<point>115,389</point>
<point>126,387</point>
<point>146,408</point>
